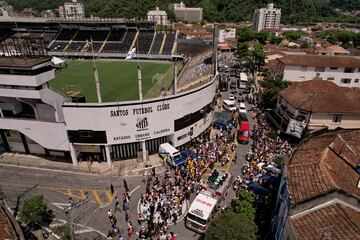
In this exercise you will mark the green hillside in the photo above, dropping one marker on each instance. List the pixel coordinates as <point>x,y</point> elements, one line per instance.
<point>214,10</point>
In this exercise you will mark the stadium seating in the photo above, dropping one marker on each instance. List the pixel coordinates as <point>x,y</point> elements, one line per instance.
<point>144,41</point>
<point>192,49</point>
<point>120,47</point>
<point>48,36</point>
<point>58,46</point>
<point>169,43</point>
<point>95,35</point>
<point>117,35</point>
<point>76,46</point>
<point>157,43</point>
<point>66,34</point>
<point>96,46</point>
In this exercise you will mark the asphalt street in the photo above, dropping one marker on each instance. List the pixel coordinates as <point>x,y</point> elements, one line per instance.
<point>91,219</point>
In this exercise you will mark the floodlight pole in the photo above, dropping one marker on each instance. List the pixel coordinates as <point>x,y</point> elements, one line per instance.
<point>143,143</point>
<point>96,75</point>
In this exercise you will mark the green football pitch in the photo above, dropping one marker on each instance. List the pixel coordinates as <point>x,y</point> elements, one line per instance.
<point>118,79</point>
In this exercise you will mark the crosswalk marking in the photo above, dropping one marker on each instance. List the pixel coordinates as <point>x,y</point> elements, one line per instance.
<point>110,196</point>
<point>82,194</point>
<point>97,197</point>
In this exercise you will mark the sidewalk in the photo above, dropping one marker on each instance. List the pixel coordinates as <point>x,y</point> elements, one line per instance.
<point>119,168</point>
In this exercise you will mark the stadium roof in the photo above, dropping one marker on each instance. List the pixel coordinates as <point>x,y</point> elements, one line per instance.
<point>22,62</point>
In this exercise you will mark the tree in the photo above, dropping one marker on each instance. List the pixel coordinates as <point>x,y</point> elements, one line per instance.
<point>294,35</point>
<point>242,51</point>
<point>272,89</point>
<point>63,231</point>
<point>230,225</point>
<point>34,210</point>
<point>276,40</point>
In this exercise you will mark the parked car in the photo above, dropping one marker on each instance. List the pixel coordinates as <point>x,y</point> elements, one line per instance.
<point>242,108</point>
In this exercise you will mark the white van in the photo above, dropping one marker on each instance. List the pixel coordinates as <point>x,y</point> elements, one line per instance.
<point>243,80</point>
<point>229,106</point>
<point>173,156</point>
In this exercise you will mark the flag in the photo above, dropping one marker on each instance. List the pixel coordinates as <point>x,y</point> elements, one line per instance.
<point>131,54</point>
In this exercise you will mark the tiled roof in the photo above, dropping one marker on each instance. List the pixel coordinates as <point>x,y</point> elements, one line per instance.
<point>325,164</point>
<point>320,96</point>
<point>321,61</point>
<point>335,221</point>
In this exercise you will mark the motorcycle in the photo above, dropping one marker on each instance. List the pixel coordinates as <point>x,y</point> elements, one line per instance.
<point>237,183</point>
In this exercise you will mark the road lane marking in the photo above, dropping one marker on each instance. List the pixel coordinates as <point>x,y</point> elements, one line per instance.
<point>82,194</point>
<point>97,197</point>
<point>110,196</point>
<point>132,191</point>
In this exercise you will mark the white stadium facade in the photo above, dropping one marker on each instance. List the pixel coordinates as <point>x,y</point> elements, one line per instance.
<point>34,119</point>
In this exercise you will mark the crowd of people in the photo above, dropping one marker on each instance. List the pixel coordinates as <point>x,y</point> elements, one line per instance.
<point>264,151</point>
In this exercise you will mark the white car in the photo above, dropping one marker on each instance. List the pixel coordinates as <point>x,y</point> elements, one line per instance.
<point>229,106</point>
<point>231,97</point>
<point>242,108</point>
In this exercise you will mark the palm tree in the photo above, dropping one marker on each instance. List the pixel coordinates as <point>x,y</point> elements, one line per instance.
<point>272,89</point>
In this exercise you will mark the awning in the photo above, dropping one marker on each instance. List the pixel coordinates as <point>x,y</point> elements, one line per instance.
<point>57,61</point>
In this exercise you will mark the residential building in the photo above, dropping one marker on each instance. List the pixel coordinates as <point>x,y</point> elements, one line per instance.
<point>158,16</point>
<point>266,18</point>
<point>342,70</point>
<point>318,104</point>
<point>319,192</point>
<point>185,13</point>
<point>227,33</point>
<point>332,50</point>
<point>72,9</point>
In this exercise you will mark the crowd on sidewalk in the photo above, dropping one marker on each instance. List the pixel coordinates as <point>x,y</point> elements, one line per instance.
<point>264,151</point>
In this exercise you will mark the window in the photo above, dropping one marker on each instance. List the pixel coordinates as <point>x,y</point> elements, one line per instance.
<point>333,68</point>
<point>330,78</point>
<point>346,80</point>
<point>85,133</point>
<point>319,69</point>
<point>349,70</point>
<point>336,119</point>
<point>356,80</point>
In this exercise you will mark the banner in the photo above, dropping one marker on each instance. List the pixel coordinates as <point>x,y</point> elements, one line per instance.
<point>295,128</point>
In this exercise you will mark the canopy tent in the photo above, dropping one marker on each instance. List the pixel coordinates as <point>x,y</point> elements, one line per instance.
<point>57,61</point>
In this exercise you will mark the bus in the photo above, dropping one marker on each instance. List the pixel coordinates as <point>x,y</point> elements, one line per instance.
<point>242,81</point>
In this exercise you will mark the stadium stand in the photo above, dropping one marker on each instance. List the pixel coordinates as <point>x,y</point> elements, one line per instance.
<point>192,49</point>
<point>169,43</point>
<point>121,47</point>
<point>76,46</point>
<point>66,34</point>
<point>95,35</point>
<point>144,41</point>
<point>48,36</point>
<point>58,46</point>
<point>157,43</point>
<point>117,35</point>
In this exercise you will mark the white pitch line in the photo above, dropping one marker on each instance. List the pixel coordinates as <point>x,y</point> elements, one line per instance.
<point>48,169</point>
<point>132,191</point>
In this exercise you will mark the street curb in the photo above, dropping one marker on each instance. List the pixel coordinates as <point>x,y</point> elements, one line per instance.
<point>103,173</point>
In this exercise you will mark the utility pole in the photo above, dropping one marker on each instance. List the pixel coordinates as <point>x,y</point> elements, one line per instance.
<point>68,212</point>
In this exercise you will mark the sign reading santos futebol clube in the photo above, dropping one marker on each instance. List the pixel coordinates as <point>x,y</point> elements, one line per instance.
<point>141,123</point>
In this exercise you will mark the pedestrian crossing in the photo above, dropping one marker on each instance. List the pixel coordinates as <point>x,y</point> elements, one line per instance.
<point>96,196</point>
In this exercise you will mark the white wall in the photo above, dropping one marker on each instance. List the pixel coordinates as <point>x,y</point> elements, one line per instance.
<point>47,134</point>
<point>24,80</point>
<point>17,93</point>
<point>297,74</point>
<point>123,129</point>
